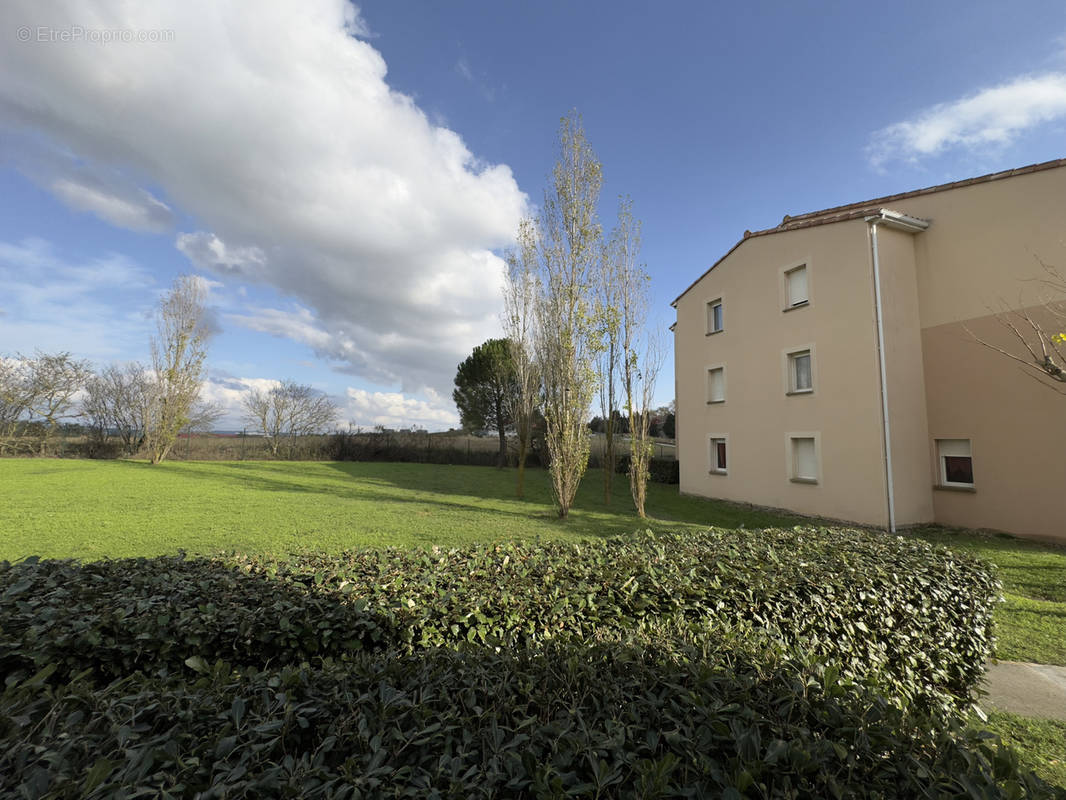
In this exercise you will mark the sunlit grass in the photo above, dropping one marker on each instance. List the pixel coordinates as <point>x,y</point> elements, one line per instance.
<point>1041,743</point>
<point>95,509</point>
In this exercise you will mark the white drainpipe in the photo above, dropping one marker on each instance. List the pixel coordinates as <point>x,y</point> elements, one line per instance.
<point>909,224</point>
<point>884,378</point>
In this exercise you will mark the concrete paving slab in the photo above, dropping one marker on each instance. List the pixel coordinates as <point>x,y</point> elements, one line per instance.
<point>1034,690</point>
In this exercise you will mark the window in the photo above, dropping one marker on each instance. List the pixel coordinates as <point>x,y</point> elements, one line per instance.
<point>796,287</point>
<point>715,316</point>
<point>804,459</point>
<point>956,462</point>
<point>718,455</point>
<point>716,385</point>
<point>800,378</point>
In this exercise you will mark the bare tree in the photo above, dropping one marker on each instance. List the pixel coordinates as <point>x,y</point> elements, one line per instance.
<point>520,323</point>
<point>118,400</point>
<point>16,397</point>
<point>54,379</point>
<point>1038,331</point>
<point>568,252</point>
<point>608,302</point>
<point>178,353</point>
<point>203,417</point>
<point>288,411</point>
<point>641,352</point>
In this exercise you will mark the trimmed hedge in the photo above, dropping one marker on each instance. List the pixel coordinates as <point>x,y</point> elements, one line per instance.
<point>914,618</point>
<point>660,470</point>
<point>803,663</point>
<point>565,720</point>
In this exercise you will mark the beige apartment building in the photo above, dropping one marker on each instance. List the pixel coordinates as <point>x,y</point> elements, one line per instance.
<point>831,366</point>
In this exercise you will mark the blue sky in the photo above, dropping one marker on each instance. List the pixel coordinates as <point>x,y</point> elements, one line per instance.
<point>346,177</point>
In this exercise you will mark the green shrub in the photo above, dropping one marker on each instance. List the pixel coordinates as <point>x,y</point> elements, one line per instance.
<point>801,663</point>
<point>914,618</point>
<point>660,470</point>
<point>564,720</point>
<point>115,617</point>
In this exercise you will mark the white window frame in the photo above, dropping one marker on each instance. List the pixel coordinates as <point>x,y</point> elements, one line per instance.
<point>790,457</point>
<point>788,365</point>
<point>712,453</point>
<point>711,368</point>
<point>951,443</point>
<point>783,284</point>
<point>709,307</point>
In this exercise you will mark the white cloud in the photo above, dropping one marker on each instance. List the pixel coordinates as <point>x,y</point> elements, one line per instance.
<point>138,210</point>
<point>278,133</point>
<point>359,407</point>
<point>992,117</point>
<point>299,325</point>
<point>228,392</point>
<point>207,251</point>
<point>395,410</point>
<point>99,309</point>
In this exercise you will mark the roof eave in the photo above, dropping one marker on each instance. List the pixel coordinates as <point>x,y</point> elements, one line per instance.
<point>864,209</point>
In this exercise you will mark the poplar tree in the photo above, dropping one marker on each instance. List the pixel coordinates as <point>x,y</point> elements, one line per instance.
<point>521,290</point>
<point>568,246</point>
<point>179,350</point>
<point>640,351</point>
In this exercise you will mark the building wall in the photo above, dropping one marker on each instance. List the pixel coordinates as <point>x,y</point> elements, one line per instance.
<point>941,287</point>
<point>981,254</point>
<point>908,423</point>
<point>1015,425</point>
<point>843,412</point>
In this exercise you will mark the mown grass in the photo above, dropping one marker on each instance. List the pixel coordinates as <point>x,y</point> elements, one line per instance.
<point>1031,624</point>
<point>1040,743</point>
<point>96,509</point>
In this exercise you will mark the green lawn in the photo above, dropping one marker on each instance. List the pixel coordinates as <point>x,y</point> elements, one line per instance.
<point>1031,624</point>
<point>1041,743</point>
<point>92,509</point>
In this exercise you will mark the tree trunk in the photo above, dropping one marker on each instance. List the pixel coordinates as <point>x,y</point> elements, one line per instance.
<point>523,449</point>
<point>501,462</point>
<point>608,457</point>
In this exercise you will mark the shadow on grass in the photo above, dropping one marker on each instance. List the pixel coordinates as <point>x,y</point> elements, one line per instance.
<point>417,487</point>
<point>666,507</point>
<point>486,492</point>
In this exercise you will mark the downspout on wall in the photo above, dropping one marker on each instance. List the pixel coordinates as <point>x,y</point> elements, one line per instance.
<point>901,222</point>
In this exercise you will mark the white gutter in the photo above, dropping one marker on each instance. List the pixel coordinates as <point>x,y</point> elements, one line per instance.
<point>902,222</point>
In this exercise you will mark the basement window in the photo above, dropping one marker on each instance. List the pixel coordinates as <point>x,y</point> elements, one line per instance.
<point>956,462</point>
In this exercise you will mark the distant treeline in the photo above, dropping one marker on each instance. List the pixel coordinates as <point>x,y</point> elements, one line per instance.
<point>72,440</point>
